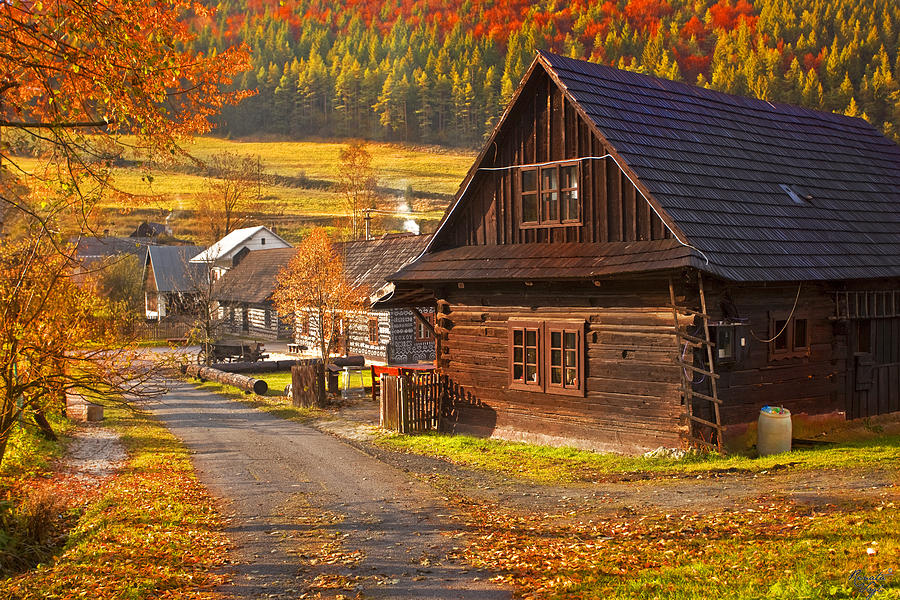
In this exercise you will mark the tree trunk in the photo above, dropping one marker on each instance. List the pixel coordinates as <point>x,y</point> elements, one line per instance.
<point>44,425</point>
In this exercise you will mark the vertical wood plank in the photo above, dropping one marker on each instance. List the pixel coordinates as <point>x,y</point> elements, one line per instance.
<point>614,201</point>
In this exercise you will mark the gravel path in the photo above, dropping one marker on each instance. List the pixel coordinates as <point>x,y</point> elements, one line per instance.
<point>314,517</point>
<point>95,452</point>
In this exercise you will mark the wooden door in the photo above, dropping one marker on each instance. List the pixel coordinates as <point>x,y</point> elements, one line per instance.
<point>874,367</point>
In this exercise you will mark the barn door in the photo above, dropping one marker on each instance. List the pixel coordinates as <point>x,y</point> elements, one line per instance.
<point>874,367</point>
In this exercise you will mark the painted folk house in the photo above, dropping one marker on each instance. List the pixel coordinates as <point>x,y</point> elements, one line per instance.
<point>388,335</point>
<point>244,296</point>
<point>634,262</point>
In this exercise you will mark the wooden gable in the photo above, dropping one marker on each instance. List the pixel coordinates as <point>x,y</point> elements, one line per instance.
<point>542,125</point>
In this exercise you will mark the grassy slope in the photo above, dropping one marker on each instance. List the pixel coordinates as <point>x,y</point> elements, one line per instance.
<point>309,199</point>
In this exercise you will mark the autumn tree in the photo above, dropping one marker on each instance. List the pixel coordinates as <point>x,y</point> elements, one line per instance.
<point>75,77</point>
<point>314,281</point>
<point>357,182</point>
<point>232,197</point>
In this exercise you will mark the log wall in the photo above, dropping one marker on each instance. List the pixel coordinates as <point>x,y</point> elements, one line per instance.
<point>632,399</point>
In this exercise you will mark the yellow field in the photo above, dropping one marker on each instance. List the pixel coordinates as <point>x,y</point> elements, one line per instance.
<point>310,199</point>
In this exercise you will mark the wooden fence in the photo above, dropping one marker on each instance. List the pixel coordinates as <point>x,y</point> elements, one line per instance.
<point>160,330</point>
<point>414,400</point>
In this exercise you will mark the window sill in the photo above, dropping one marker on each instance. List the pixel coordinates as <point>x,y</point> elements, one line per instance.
<point>538,389</point>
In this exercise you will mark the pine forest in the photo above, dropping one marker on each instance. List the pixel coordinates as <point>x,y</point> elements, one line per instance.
<point>440,71</point>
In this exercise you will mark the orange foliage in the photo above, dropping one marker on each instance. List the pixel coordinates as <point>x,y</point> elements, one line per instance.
<point>644,15</point>
<point>725,16</point>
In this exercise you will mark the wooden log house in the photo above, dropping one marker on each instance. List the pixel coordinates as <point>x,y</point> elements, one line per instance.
<point>401,335</point>
<point>633,262</point>
<point>395,335</point>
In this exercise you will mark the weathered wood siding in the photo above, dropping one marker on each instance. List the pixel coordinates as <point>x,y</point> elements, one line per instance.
<point>543,126</point>
<point>632,399</point>
<point>396,336</point>
<point>231,316</point>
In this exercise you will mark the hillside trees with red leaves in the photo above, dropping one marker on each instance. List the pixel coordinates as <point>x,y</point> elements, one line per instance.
<point>463,60</point>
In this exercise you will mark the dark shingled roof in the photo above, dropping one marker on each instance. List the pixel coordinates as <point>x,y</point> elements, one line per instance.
<point>534,262</point>
<point>370,262</point>
<point>253,279</point>
<point>367,263</point>
<point>172,268</point>
<point>716,164</point>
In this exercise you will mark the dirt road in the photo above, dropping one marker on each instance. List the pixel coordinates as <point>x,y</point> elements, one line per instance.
<point>311,515</point>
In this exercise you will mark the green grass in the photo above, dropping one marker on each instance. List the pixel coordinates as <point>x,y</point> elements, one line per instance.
<point>560,465</point>
<point>764,549</point>
<point>28,454</point>
<point>278,380</point>
<point>151,532</point>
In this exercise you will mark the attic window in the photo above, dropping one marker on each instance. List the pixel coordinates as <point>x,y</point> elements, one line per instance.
<point>262,242</point>
<point>549,195</point>
<point>798,195</point>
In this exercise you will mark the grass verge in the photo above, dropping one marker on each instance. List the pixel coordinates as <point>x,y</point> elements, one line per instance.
<point>149,532</point>
<point>546,464</point>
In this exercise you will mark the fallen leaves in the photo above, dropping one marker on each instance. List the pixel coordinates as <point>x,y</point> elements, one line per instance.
<point>150,532</point>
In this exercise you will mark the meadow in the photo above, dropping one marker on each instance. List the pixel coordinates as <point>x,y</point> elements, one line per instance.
<point>298,187</point>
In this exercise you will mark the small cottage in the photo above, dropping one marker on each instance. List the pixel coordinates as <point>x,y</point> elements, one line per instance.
<point>633,262</point>
<point>228,252</point>
<point>244,296</point>
<point>172,283</point>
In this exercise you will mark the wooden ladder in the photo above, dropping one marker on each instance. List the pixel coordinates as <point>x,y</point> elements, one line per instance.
<point>684,340</point>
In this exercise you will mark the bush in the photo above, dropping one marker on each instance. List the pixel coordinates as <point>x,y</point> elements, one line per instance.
<point>32,530</point>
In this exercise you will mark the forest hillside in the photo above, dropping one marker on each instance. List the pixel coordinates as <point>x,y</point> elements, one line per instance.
<point>440,71</point>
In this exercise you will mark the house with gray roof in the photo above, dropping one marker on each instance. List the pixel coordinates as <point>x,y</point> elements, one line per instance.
<point>633,262</point>
<point>172,283</point>
<point>389,335</point>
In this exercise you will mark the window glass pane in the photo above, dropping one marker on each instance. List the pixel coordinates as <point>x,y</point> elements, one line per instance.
<point>569,205</point>
<point>571,376</point>
<point>531,373</point>
<point>800,333</point>
<point>556,358</point>
<point>529,181</point>
<point>529,208</point>
<point>518,371</point>
<point>551,207</point>
<point>556,375</point>
<point>569,176</point>
<point>781,342</point>
<point>548,179</point>
<point>570,340</point>
<point>531,337</point>
<point>555,339</point>
<point>517,337</point>
<point>517,354</point>
<point>570,358</point>
<point>531,356</point>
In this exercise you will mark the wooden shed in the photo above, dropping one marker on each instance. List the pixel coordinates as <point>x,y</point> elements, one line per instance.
<point>633,262</point>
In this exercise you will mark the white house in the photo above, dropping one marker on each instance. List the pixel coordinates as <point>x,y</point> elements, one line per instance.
<point>228,252</point>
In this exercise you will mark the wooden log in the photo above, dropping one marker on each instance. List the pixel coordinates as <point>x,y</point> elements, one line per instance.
<point>248,384</point>
<point>265,366</point>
